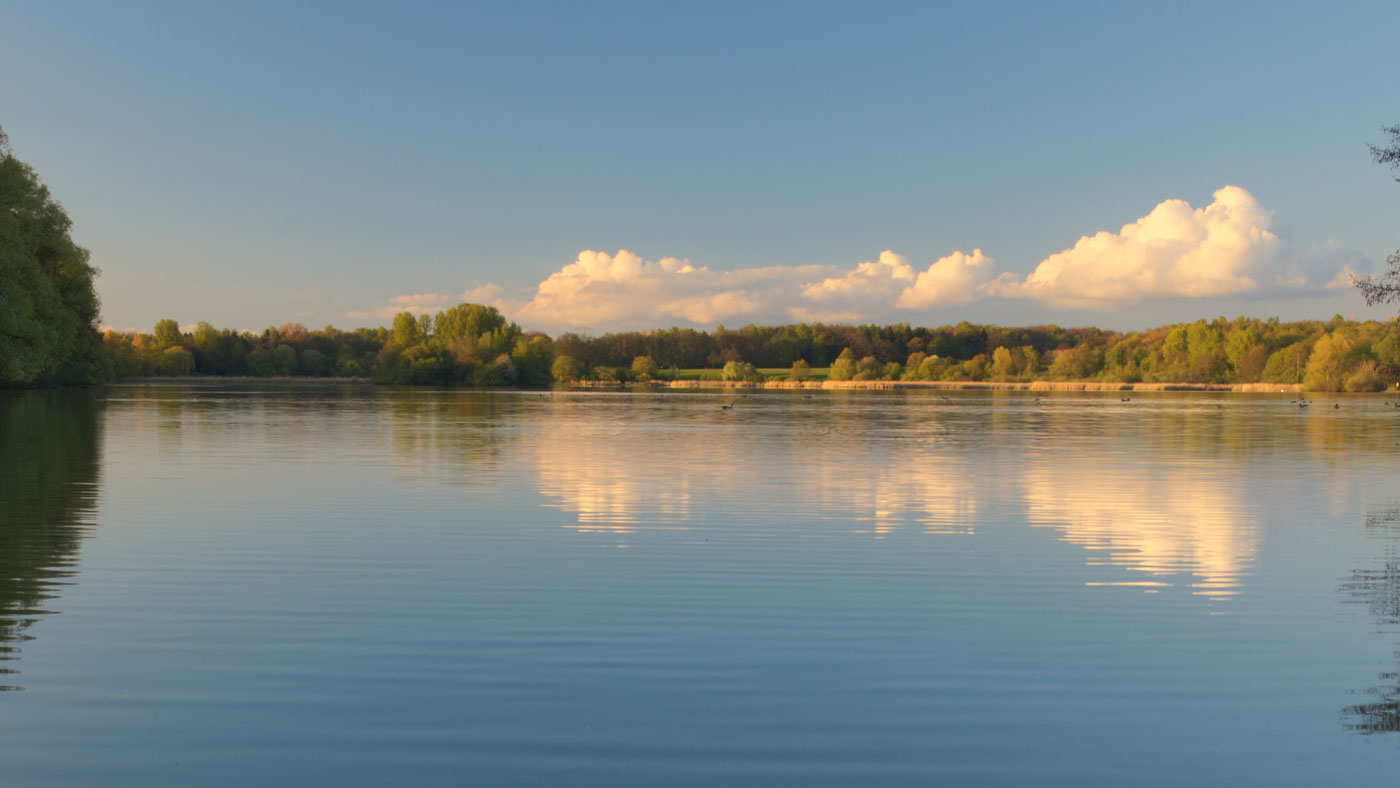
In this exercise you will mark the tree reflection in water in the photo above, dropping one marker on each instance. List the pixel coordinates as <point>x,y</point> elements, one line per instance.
<point>1379,589</point>
<point>49,461</point>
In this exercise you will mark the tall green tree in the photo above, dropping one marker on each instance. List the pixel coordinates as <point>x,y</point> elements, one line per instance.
<point>564,369</point>
<point>644,368</point>
<point>167,334</point>
<point>407,332</point>
<point>210,355</point>
<point>48,306</point>
<point>533,359</point>
<point>1003,364</point>
<point>844,367</point>
<point>468,321</point>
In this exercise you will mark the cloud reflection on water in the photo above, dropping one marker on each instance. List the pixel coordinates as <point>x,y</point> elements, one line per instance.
<point>938,494</point>
<point>606,491</point>
<point>618,476</point>
<point>1162,522</point>
<point>1177,521</point>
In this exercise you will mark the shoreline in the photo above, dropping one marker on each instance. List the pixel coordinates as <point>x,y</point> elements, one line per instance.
<point>217,380</point>
<point>972,385</point>
<point>961,385</point>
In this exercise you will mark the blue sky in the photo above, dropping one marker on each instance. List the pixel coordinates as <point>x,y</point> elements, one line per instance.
<point>252,164</point>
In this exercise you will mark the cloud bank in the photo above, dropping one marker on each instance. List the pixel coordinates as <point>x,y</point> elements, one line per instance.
<point>599,289</point>
<point>890,281</point>
<point>431,303</point>
<point>1224,249</point>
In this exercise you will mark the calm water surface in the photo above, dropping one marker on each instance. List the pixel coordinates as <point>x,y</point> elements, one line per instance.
<point>352,586</point>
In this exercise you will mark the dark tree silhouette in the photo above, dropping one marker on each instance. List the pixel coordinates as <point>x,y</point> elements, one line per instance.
<point>1386,287</point>
<point>1378,588</point>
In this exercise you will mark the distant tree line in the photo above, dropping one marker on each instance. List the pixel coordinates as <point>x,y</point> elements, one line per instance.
<point>1334,355</point>
<point>49,309</point>
<point>468,344</point>
<point>471,344</point>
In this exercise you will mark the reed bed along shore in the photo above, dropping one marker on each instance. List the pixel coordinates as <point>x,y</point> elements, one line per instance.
<point>230,380</point>
<point>945,385</point>
<point>1035,385</point>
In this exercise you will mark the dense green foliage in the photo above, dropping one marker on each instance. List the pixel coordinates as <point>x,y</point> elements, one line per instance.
<point>1355,356</point>
<point>48,307</point>
<point>474,345</point>
<point>466,345</point>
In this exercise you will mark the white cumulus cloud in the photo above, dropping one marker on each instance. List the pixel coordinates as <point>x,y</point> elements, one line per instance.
<point>1224,249</point>
<point>954,280</point>
<point>890,282</point>
<point>855,293</point>
<point>603,291</point>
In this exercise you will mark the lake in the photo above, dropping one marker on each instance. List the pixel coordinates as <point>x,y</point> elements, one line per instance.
<point>228,585</point>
